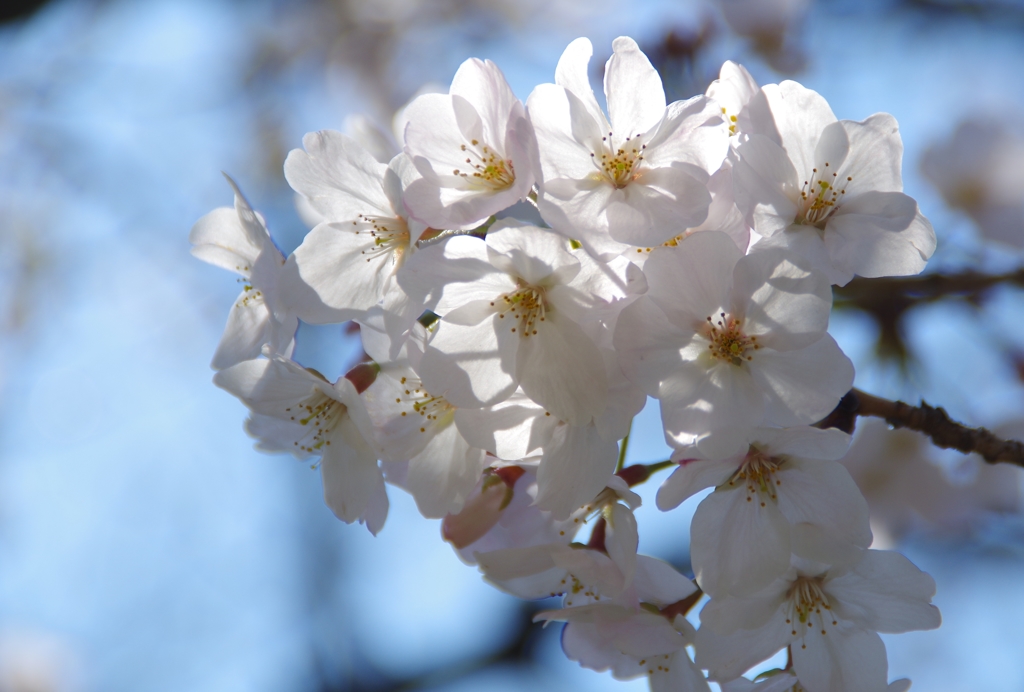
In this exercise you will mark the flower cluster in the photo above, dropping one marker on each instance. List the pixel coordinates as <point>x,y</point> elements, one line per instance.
<point>524,276</point>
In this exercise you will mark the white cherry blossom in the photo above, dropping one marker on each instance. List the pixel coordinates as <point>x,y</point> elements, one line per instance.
<point>297,411</point>
<point>348,262</point>
<point>831,190</point>
<point>829,616</point>
<point>511,314</point>
<point>474,148</point>
<point>635,177</point>
<point>741,534</point>
<point>415,430</point>
<point>729,343</point>
<point>238,240</point>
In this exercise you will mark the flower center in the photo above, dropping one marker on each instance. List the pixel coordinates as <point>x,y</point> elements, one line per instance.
<point>319,414</point>
<point>431,408</point>
<point>807,600</point>
<point>620,165</point>
<point>527,308</point>
<point>390,236</point>
<point>820,197</point>
<point>488,170</point>
<point>728,342</point>
<point>731,119</point>
<point>757,472</point>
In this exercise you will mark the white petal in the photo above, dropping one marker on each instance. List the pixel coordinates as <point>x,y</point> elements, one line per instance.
<point>350,475</point>
<point>621,539</point>
<point>681,676</point>
<point>442,476</point>
<point>800,116</point>
<point>876,152</point>
<point>220,239</point>
<point>804,385</point>
<point>464,365</point>
<point>880,234</point>
<point>660,583</point>
<point>766,185</point>
<point>844,660</point>
<point>739,542</point>
<point>692,476</point>
<point>339,177</point>
<point>636,98</point>
<point>247,330</point>
<point>823,493</point>
<point>512,429</point>
<point>576,467</point>
<point>560,368</point>
<point>887,593</point>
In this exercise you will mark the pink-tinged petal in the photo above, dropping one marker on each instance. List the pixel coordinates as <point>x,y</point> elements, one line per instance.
<point>622,539</point>
<point>350,474</point>
<point>802,386</point>
<point>876,152</point>
<point>660,583</point>
<point>339,177</point>
<point>739,542</point>
<point>247,330</point>
<point>576,467</point>
<point>880,234</point>
<point>885,592</point>
<point>822,493</point>
<point>800,116</point>
<point>692,476</point>
<point>599,645</point>
<point>443,474</point>
<point>766,185</point>
<point>464,365</point>
<point>727,657</point>
<point>636,97</point>
<point>512,429</point>
<point>844,660</point>
<point>691,282</point>
<point>219,238</point>
<point>560,368</point>
<point>572,74</point>
<point>479,514</point>
<point>786,304</point>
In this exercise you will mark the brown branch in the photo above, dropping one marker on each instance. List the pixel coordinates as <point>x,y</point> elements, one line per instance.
<point>931,420</point>
<point>922,289</point>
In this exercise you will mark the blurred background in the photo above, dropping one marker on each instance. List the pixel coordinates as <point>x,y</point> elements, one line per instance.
<point>144,546</point>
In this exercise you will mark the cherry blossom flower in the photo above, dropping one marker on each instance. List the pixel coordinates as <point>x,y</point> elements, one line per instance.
<point>238,240</point>
<point>635,177</point>
<point>828,616</point>
<point>787,480</point>
<point>729,343</point>
<point>831,190</point>
<point>296,410</point>
<point>347,263</point>
<point>474,148</point>
<point>976,172</point>
<point>422,448</point>
<point>511,314</point>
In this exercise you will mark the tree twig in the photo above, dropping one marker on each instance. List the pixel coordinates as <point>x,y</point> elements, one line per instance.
<point>931,420</point>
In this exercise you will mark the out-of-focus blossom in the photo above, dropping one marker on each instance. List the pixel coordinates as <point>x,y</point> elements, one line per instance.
<point>977,170</point>
<point>906,490</point>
